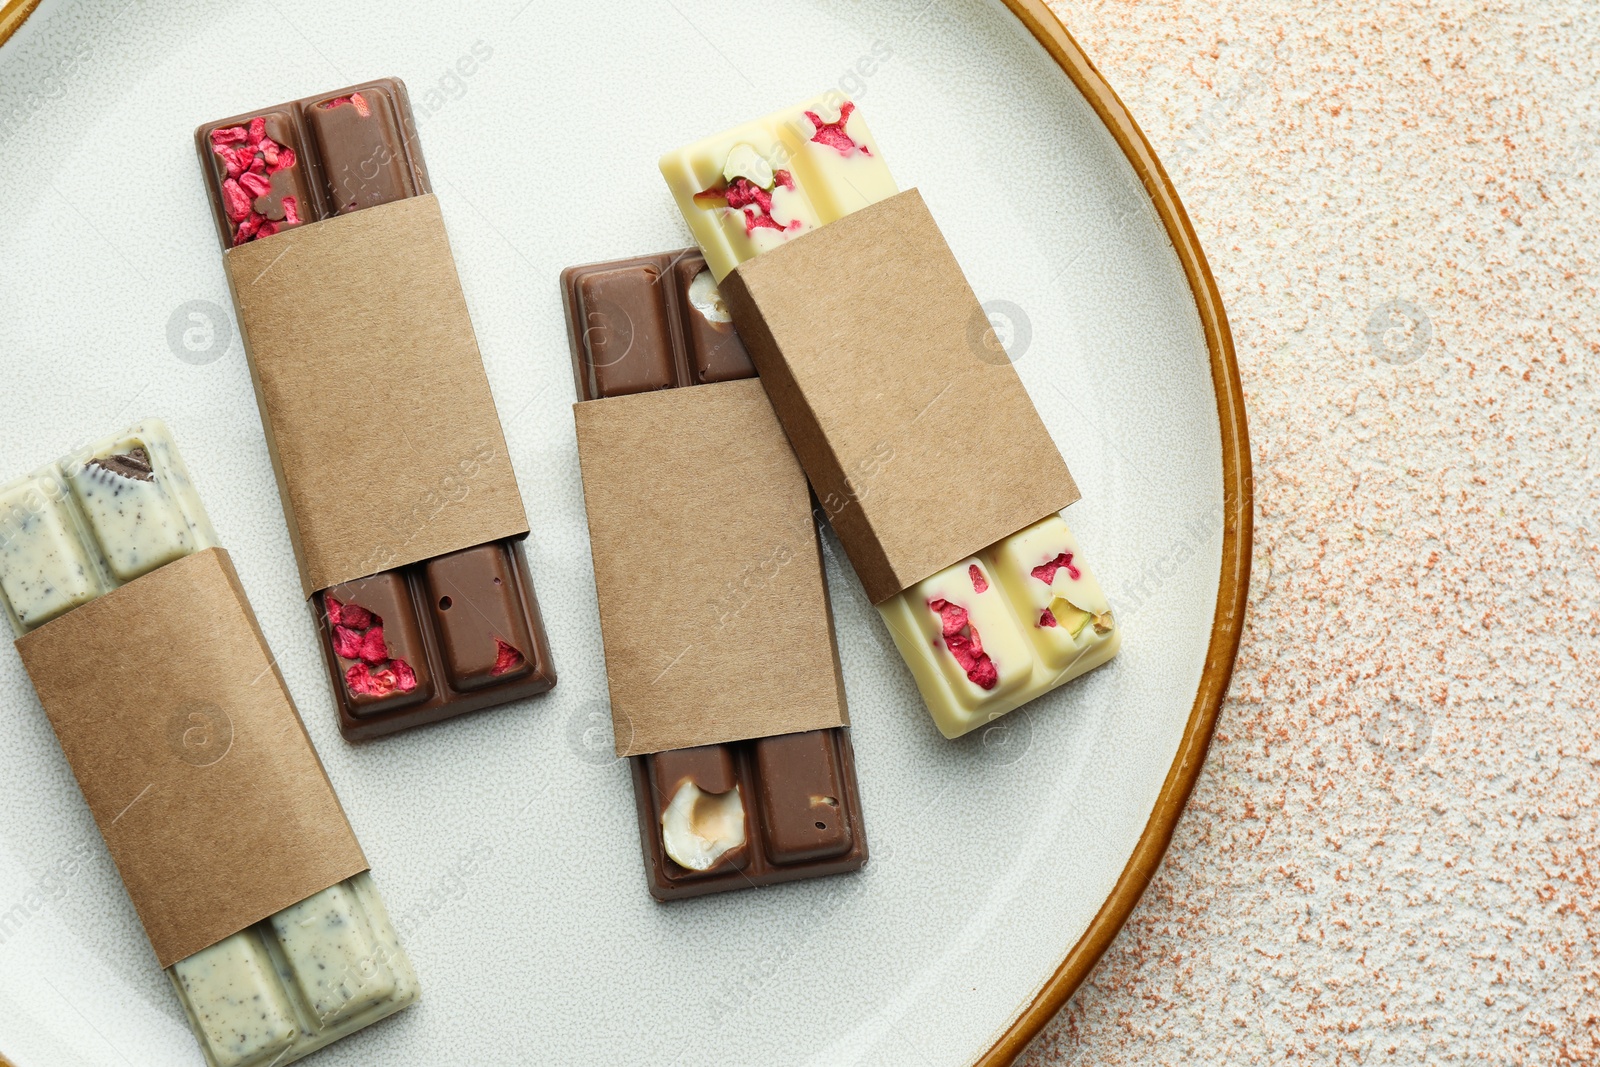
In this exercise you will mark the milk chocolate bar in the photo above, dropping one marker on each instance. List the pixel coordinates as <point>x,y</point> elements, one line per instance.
<point>432,640</point>
<point>982,635</point>
<point>723,816</point>
<point>439,638</point>
<point>308,975</point>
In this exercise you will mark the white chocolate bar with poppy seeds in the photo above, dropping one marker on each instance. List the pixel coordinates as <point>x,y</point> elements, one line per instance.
<point>310,974</point>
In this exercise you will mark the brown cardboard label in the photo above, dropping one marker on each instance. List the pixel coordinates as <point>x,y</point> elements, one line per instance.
<point>919,439</point>
<point>713,606</point>
<point>194,762</point>
<point>377,411</point>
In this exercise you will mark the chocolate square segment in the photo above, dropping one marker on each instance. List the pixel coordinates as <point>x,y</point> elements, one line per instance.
<point>715,352</point>
<point>473,599</point>
<point>361,149</point>
<point>387,599</point>
<point>802,797</point>
<point>626,336</point>
<point>712,770</point>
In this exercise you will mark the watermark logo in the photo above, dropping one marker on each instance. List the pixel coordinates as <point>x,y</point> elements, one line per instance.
<point>1006,740</point>
<point>999,332</point>
<point>1398,729</point>
<point>1399,332</point>
<point>591,733</point>
<point>199,332</point>
<point>199,733</point>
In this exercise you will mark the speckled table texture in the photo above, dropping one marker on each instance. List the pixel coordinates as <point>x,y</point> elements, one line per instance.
<point>1391,854</point>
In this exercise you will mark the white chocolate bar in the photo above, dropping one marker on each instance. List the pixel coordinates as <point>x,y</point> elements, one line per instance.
<point>95,520</point>
<point>306,977</point>
<point>314,972</point>
<point>762,184</point>
<point>988,634</point>
<point>1000,635</point>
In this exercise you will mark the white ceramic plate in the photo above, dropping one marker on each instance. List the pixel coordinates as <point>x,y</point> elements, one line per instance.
<point>505,842</point>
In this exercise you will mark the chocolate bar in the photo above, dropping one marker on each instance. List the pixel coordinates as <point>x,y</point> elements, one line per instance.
<point>453,634</point>
<point>983,635</point>
<point>723,816</point>
<point>308,975</point>
<point>96,520</point>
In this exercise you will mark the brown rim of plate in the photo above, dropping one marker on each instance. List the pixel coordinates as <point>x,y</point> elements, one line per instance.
<point>1238,518</point>
<point>12,15</point>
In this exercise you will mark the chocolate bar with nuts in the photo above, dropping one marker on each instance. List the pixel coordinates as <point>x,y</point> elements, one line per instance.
<point>75,532</point>
<point>746,813</point>
<point>1003,619</point>
<point>444,636</point>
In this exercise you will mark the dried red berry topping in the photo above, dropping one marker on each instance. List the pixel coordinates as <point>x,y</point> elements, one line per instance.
<point>358,635</point>
<point>346,642</point>
<point>1047,618</point>
<point>754,222</point>
<point>980,584</point>
<point>250,158</point>
<point>356,100</point>
<point>405,679</point>
<point>962,639</point>
<point>235,201</point>
<point>1046,572</point>
<point>742,192</point>
<point>373,647</point>
<point>832,133</point>
<point>366,682</point>
<point>506,659</point>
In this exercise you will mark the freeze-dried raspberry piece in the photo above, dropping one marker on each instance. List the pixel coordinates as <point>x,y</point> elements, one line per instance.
<point>962,639</point>
<point>247,229</point>
<point>373,647</point>
<point>405,679</point>
<point>291,212</point>
<point>285,158</point>
<point>506,658</point>
<point>980,584</point>
<point>230,136</point>
<point>346,643</point>
<point>255,184</point>
<point>952,617</point>
<point>742,192</point>
<point>832,133</point>
<point>356,100</point>
<point>366,682</point>
<point>1047,618</point>
<point>354,615</point>
<point>1046,572</point>
<point>258,129</point>
<point>754,222</point>
<point>235,201</point>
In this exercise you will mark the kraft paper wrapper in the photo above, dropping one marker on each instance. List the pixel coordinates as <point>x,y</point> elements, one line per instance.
<point>713,607</point>
<point>190,753</point>
<point>922,445</point>
<point>377,411</point>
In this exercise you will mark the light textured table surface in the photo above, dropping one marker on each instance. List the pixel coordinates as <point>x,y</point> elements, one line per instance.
<point>1392,855</point>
